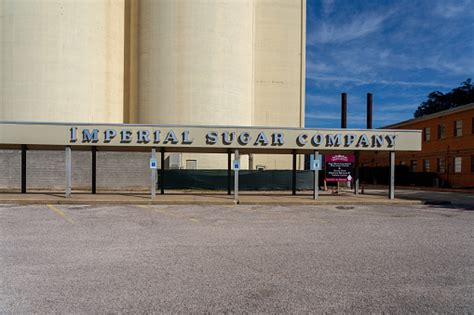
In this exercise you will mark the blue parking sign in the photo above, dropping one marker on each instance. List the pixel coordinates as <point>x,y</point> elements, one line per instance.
<point>316,164</point>
<point>236,165</point>
<point>153,164</point>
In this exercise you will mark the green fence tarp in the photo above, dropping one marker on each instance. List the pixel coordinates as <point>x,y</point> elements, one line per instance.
<point>248,180</point>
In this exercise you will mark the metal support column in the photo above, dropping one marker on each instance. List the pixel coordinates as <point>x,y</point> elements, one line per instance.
<point>229,173</point>
<point>236,178</point>
<point>162,172</point>
<point>316,178</point>
<point>356,173</point>
<point>293,175</point>
<point>153,175</point>
<point>68,172</point>
<point>392,175</point>
<point>94,170</point>
<point>23,169</point>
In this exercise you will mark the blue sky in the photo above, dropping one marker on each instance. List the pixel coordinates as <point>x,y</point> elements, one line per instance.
<point>398,50</point>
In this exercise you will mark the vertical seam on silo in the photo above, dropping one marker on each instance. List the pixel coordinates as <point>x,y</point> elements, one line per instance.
<point>126,63</point>
<point>302,63</point>
<point>252,113</point>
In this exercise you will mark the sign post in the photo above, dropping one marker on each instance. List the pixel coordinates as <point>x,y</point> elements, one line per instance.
<point>236,167</point>
<point>68,172</point>
<point>391,194</point>
<point>356,173</point>
<point>23,169</point>
<point>153,167</point>
<point>316,165</point>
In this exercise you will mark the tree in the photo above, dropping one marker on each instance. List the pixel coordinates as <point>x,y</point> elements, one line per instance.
<point>438,101</point>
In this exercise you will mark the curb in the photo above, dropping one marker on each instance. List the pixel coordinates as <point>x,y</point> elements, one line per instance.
<point>198,202</point>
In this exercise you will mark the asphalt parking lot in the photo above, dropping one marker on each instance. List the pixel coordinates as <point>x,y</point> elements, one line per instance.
<point>142,259</point>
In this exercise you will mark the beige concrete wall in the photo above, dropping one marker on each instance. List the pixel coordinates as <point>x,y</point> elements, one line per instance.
<point>61,60</point>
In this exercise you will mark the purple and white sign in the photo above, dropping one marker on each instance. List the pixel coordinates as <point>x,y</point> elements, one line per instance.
<point>339,167</point>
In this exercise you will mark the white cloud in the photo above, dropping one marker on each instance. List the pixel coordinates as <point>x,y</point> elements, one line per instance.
<point>396,107</point>
<point>337,116</point>
<point>358,81</point>
<point>451,9</point>
<point>322,115</point>
<point>317,99</point>
<point>412,83</point>
<point>314,67</point>
<point>361,26</point>
<point>459,66</point>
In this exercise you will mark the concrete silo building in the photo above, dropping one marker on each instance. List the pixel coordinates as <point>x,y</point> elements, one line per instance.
<point>208,62</point>
<point>61,61</point>
<point>195,66</point>
<point>193,62</point>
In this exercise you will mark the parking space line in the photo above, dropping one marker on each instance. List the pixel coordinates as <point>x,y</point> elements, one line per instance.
<point>61,214</point>
<point>162,211</point>
<point>143,206</point>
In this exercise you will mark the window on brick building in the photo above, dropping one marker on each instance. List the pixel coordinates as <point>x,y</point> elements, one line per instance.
<point>472,163</point>
<point>441,131</point>
<point>426,165</point>
<point>458,128</point>
<point>427,134</point>
<point>413,165</point>
<point>402,163</point>
<point>457,164</point>
<point>441,166</point>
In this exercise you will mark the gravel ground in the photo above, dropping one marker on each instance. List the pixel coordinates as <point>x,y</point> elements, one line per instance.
<point>145,259</point>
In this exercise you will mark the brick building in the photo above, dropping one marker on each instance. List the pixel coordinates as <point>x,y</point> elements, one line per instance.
<point>447,147</point>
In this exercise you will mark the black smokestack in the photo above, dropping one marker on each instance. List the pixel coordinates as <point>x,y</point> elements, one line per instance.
<point>344,110</point>
<point>369,110</point>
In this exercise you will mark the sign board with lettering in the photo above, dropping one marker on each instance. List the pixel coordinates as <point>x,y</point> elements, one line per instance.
<point>208,138</point>
<point>153,164</point>
<point>339,167</point>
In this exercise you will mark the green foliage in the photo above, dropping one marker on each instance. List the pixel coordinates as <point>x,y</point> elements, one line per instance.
<point>438,101</point>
